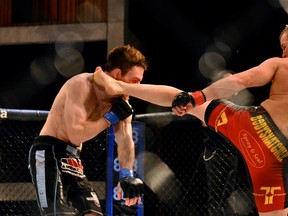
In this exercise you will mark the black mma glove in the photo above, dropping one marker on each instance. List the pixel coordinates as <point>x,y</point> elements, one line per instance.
<point>131,186</point>
<point>120,110</point>
<point>183,98</point>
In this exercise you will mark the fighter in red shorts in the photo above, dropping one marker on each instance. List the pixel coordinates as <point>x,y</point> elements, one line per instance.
<point>260,133</point>
<point>262,145</point>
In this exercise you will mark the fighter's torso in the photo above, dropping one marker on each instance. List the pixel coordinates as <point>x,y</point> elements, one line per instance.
<point>83,96</point>
<point>277,103</point>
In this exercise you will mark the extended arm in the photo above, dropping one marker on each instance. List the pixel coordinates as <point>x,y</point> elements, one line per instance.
<point>161,95</point>
<point>253,77</point>
<point>226,87</point>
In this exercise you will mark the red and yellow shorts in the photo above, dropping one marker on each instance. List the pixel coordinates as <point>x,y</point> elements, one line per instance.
<point>264,148</point>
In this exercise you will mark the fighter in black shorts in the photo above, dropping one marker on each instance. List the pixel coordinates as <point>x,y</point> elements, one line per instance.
<point>57,171</point>
<point>81,110</point>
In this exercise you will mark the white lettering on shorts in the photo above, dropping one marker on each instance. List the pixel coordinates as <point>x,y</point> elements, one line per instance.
<point>40,177</point>
<point>72,166</point>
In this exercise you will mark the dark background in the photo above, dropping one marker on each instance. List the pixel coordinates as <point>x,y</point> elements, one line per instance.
<point>174,36</point>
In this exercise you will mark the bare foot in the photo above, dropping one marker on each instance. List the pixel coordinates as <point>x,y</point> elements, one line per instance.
<point>112,86</point>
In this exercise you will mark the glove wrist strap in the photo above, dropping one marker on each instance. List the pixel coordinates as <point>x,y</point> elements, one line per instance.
<point>111,117</point>
<point>125,172</point>
<point>198,98</point>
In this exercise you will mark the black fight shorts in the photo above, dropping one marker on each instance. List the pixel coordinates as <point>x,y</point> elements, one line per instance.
<point>57,175</point>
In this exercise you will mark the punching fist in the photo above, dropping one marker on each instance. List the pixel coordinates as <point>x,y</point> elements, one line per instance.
<point>183,98</point>
<point>120,110</point>
<point>132,187</point>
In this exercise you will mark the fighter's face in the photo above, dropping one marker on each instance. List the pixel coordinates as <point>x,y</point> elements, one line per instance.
<point>133,75</point>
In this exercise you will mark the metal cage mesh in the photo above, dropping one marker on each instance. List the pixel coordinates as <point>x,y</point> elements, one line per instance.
<point>188,169</point>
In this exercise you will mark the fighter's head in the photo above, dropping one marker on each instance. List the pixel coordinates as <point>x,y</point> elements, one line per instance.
<point>126,63</point>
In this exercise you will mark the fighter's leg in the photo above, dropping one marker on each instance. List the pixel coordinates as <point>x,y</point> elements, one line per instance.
<point>84,197</point>
<point>47,182</point>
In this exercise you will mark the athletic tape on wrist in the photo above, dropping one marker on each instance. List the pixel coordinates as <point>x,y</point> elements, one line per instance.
<point>111,117</point>
<point>125,172</point>
<point>198,97</point>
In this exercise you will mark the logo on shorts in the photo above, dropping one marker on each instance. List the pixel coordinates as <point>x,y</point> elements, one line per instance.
<point>269,138</point>
<point>251,149</point>
<point>270,193</point>
<point>222,119</point>
<point>72,166</point>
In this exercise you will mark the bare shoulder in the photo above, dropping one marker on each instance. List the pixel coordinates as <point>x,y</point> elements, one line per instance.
<point>79,79</point>
<point>274,64</point>
<point>281,64</point>
<point>277,61</point>
<point>282,61</point>
<point>78,84</point>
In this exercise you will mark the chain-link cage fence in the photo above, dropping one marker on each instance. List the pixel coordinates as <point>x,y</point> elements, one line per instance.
<point>188,169</point>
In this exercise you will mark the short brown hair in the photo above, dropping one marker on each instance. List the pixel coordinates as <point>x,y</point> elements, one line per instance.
<point>125,57</point>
